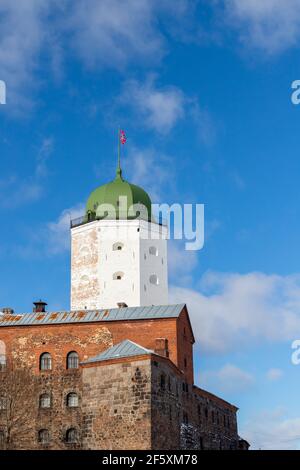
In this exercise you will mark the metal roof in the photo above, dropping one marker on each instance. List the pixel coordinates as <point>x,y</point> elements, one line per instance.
<point>87,316</point>
<point>126,348</point>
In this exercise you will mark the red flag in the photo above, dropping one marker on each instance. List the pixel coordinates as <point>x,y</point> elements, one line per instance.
<point>122,137</point>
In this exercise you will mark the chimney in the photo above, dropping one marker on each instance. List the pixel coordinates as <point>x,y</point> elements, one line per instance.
<point>161,347</point>
<point>122,305</point>
<point>39,307</point>
<point>7,311</point>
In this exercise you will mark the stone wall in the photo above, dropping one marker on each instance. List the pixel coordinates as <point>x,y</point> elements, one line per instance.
<point>186,417</point>
<point>117,406</point>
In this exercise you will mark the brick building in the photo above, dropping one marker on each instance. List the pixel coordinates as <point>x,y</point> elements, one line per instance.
<point>116,371</point>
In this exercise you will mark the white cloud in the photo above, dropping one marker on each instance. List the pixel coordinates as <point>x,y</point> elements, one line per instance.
<point>270,25</point>
<point>100,33</point>
<point>231,311</point>
<point>56,235</point>
<point>229,378</point>
<point>274,374</point>
<point>22,35</point>
<point>158,108</point>
<point>111,34</point>
<point>272,431</point>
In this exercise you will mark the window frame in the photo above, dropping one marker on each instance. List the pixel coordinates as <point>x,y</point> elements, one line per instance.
<point>72,360</point>
<point>68,432</point>
<point>41,433</point>
<point>45,361</point>
<point>71,396</point>
<point>42,399</point>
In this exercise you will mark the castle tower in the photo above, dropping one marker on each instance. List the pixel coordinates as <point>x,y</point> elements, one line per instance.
<point>118,250</point>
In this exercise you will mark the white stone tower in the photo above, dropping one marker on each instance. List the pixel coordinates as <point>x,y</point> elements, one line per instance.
<point>118,251</point>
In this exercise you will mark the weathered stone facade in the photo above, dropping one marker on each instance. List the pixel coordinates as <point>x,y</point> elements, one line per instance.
<point>146,401</point>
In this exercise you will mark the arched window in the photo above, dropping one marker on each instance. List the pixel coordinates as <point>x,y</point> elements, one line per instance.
<point>162,382</point>
<point>43,436</point>
<point>3,403</point>
<point>45,361</point>
<point>2,355</point>
<point>72,400</point>
<point>154,279</point>
<point>45,400</point>
<point>72,360</point>
<point>153,251</point>
<point>118,246</point>
<point>71,436</point>
<point>118,276</point>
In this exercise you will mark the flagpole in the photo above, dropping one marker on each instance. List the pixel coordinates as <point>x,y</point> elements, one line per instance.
<point>119,149</point>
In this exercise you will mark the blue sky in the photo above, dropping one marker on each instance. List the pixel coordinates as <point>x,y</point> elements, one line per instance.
<point>203,90</point>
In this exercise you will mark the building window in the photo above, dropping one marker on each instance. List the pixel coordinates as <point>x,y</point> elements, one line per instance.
<point>213,416</point>
<point>72,360</point>
<point>153,251</point>
<point>118,246</point>
<point>185,363</point>
<point>45,361</point>
<point>185,418</point>
<point>72,400</point>
<point>44,436</point>
<point>2,355</point>
<point>2,439</point>
<point>45,400</point>
<point>3,403</point>
<point>154,279</point>
<point>162,382</point>
<point>72,436</point>
<point>206,413</point>
<point>118,276</point>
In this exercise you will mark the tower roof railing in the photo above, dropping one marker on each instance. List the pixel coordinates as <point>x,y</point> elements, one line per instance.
<point>85,219</point>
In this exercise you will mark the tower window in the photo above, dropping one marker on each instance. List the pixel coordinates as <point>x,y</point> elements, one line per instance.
<point>72,360</point>
<point>154,279</point>
<point>118,246</point>
<point>44,436</point>
<point>45,361</point>
<point>72,436</point>
<point>45,400</point>
<point>72,400</point>
<point>153,251</point>
<point>118,276</point>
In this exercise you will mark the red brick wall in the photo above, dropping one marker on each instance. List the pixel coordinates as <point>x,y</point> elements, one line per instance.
<point>89,339</point>
<point>185,342</point>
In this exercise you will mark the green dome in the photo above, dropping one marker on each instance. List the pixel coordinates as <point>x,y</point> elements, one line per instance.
<point>121,196</point>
